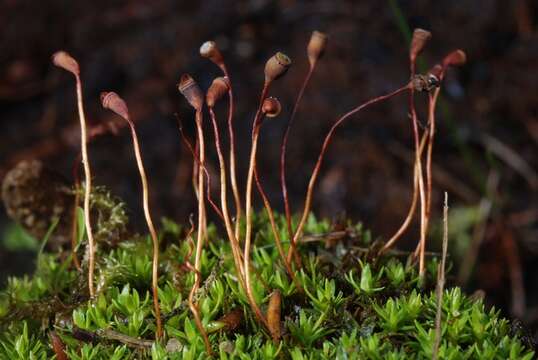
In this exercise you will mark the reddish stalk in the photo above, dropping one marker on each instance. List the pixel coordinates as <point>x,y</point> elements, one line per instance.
<point>411,211</point>
<point>204,169</point>
<point>432,102</point>
<point>66,62</point>
<point>275,67</point>
<point>190,90</point>
<point>192,305</point>
<point>248,209</point>
<point>283,148</point>
<point>435,77</point>
<point>326,142</point>
<point>236,252</point>
<point>418,42</point>
<point>271,108</point>
<point>422,195</point>
<point>195,165</point>
<point>276,234</point>
<point>233,175</point>
<point>315,49</point>
<point>113,102</point>
<point>74,222</point>
<point>210,50</point>
<point>201,208</point>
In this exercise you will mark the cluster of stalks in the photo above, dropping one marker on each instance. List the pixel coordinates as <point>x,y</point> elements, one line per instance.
<point>113,102</point>
<point>422,181</point>
<point>268,107</point>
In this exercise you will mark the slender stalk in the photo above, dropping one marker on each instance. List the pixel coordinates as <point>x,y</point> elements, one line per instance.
<point>413,206</point>
<point>422,241</point>
<point>210,50</point>
<point>315,172</point>
<point>248,208</point>
<point>87,186</point>
<point>151,228</point>
<point>201,214</point>
<point>74,222</point>
<point>283,148</point>
<point>196,165</point>
<point>192,306</point>
<point>418,164</point>
<point>233,175</point>
<point>236,252</point>
<point>275,231</point>
<point>197,168</point>
<point>200,235</point>
<point>441,283</point>
<point>432,101</point>
<point>417,168</point>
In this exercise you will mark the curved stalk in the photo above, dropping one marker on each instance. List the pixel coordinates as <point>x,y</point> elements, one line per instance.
<point>432,102</point>
<point>196,165</point>
<point>315,172</point>
<point>74,222</point>
<point>413,206</point>
<point>151,228</point>
<point>200,235</point>
<point>274,228</point>
<point>192,306</point>
<point>87,186</point>
<point>418,164</point>
<point>233,175</point>
<point>248,209</point>
<point>283,149</point>
<point>236,252</point>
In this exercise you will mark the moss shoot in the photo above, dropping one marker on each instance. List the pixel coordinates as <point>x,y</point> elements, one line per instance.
<point>355,304</point>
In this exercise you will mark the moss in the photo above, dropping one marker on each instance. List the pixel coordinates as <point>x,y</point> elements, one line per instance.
<point>355,305</point>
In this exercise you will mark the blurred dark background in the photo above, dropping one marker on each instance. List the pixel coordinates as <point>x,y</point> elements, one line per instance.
<point>485,152</point>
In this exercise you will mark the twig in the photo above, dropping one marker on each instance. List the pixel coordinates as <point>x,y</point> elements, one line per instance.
<point>441,282</point>
<point>107,334</point>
